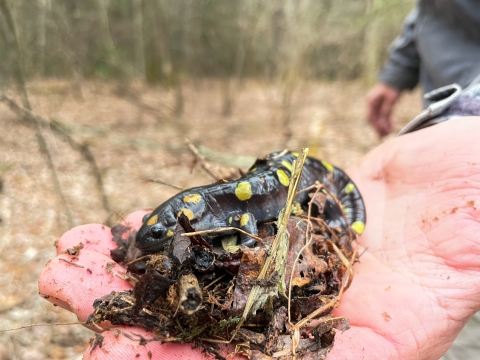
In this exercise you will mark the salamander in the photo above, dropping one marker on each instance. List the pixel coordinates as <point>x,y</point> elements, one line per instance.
<point>255,197</point>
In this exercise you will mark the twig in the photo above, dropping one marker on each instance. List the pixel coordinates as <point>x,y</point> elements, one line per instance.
<point>132,96</point>
<point>214,282</point>
<point>189,293</point>
<point>205,165</point>
<point>72,263</point>
<point>158,181</point>
<point>58,129</point>
<point>36,325</point>
<point>137,259</point>
<point>223,229</point>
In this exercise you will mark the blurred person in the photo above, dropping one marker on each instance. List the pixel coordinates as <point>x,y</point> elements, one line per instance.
<point>439,45</point>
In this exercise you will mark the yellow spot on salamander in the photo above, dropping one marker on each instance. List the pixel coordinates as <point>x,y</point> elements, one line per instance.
<point>152,220</point>
<point>169,233</point>
<point>187,212</point>
<point>283,177</point>
<point>252,169</point>
<point>244,220</point>
<point>243,191</point>
<point>294,153</point>
<point>328,166</point>
<point>229,243</point>
<point>230,219</point>
<point>358,227</point>
<point>287,164</point>
<point>192,198</point>
<point>349,188</point>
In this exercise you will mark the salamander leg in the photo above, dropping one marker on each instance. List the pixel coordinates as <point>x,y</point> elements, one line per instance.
<point>248,224</point>
<point>333,214</point>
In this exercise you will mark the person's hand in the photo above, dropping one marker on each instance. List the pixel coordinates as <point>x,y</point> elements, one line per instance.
<point>417,282</point>
<point>380,102</point>
<point>74,285</point>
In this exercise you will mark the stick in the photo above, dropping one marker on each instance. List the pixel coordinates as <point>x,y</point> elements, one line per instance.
<point>158,181</point>
<point>205,165</point>
<point>228,228</point>
<point>83,149</point>
<point>190,294</point>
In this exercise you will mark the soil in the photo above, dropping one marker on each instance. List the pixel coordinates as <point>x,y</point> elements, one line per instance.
<point>130,131</point>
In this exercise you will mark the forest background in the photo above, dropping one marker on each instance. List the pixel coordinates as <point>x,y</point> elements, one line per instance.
<point>98,96</point>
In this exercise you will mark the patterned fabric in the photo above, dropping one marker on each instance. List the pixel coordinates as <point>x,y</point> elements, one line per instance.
<point>447,103</point>
<point>467,104</point>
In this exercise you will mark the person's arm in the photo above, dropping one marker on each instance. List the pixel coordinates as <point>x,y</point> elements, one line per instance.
<point>400,73</point>
<point>402,68</point>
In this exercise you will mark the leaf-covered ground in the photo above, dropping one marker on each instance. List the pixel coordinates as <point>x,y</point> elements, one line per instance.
<point>130,131</point>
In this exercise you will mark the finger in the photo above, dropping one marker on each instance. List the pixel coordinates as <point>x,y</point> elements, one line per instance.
<point>385,120</point>
<point>133,221</point>
<point>124,343</point>
<point>75,282</point>
<point>374,103</point>
<point>381,124</point>
<point>98,237</point>
<point>94,237</point>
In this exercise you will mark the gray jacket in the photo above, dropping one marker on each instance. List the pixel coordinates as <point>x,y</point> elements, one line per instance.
<point>439,45</point>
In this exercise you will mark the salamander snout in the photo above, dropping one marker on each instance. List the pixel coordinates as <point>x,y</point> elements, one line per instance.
<point>158,231</point>
<point>151,238</point>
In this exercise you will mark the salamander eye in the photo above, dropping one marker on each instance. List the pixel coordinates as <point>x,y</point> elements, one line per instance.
<point>145,217</point>
<point>158,231</point>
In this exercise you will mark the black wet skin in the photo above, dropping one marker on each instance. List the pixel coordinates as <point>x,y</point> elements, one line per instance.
<point>260,193</point>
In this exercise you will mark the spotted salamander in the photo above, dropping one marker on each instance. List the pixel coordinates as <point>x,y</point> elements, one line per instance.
<point>256,197</point>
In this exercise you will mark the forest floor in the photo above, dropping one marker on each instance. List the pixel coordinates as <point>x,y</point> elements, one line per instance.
<point>131,133</point>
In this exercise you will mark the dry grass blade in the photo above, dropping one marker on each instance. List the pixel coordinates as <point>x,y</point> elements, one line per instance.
<point>279,247</point>
<point>308,243</point>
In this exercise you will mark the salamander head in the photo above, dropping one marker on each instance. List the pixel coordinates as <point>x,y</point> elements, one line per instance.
<point>156,230</point>
<point>158,227</point>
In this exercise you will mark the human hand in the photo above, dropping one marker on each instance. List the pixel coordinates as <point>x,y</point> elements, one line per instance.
<point>74,285</point>
<point>380,102</point>
<point>417,281</point>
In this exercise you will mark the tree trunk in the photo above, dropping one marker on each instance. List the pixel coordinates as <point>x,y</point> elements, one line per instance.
<point>41,36</point>
<point>102,13</point>
<point>163,41</point>
<point>138,43</point>
<point>372,44</point>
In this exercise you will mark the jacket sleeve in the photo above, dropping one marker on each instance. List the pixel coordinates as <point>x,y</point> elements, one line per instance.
<point>402,68</point>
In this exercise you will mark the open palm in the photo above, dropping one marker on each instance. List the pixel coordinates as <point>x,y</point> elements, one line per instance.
<point>418,280</point>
